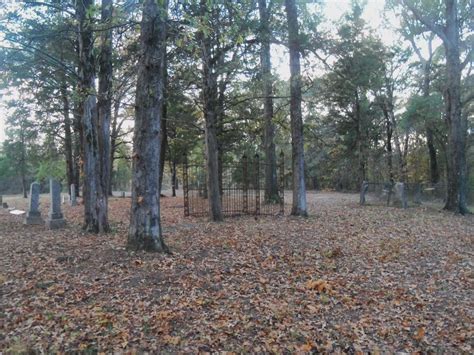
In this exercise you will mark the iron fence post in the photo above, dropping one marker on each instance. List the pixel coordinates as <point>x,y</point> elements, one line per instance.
<point>185,185</point>
<point>282,183</point>
<point>257,185</point>
<point>245,176</point>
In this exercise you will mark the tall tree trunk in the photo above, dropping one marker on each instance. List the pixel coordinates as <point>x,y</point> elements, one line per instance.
<point>145,226</point>
<point>78,150</point>
<point>434,173</point>
<point>23,162</point>
<point>164,131</point>
<point>210,98</point>
<point>457,168</point>
<point>95,209</point>
<point>174,178</point>
<point>104,103</point>
<point>271,183</point>
<point>115,129</point>
<point>388,144</point>
<point>359,140</point>
<point>67,138</point>
<point>296,116</point>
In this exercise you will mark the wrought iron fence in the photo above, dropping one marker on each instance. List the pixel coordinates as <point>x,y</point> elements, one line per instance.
<point>242,189</point>
<point>415,194</point>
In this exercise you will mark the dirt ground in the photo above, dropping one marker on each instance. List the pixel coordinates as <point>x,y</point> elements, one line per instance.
<point>345,279</point>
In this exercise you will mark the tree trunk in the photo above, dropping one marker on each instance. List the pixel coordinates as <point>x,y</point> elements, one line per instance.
<point>359,140</point>
<point>67,138</point>
<point>174,178</point>
<point>104,104</point>
<point>271,183</point>
<point>434,173</point>
<point>78,151</point>
<point>164,131</point>
<point>299,188</point>
<point>210,98</point>
<point>115,130</point>
<point>457,169</point>
<point>23,162</point>
<point>95,209</point>
<point>145,226</point>
<point>388,144</point>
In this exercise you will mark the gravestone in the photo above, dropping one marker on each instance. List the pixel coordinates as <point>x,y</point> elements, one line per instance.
<point>55,217</point>
<point>123,194</point>
<point>4,205</point>
<point>33,216</point>
<point>363,191</point>
<point>400,190</point>
<point>73,195</point>
<point>1,200</point>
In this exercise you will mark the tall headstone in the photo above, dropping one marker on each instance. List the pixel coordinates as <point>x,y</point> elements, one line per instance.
<point>363,191</point>
<point>400,189</point>
<point>73,195</point>
<point>33,215</point>
<point>1,200</point>
<point>55,217</point>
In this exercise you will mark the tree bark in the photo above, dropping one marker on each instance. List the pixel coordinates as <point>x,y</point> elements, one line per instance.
<point>359,139</point>
<point>104,103</point>
<point>67,138</point>
<point>95,210</point>
<point>271,183</point>
<point>164,131</point>
<point>145,226</point>
<point>78,151</point>
<point>457,169</point>
<point>299,188</point>
<point>210,98</point>
<point>113,144</point>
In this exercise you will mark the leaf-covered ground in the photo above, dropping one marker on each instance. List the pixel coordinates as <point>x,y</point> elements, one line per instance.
<point>346,279</point>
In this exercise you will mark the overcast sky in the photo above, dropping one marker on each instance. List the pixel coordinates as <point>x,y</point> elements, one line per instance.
<point>333,11</point>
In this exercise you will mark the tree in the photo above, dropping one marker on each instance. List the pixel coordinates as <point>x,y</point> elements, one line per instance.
<point>447,28</point>
<point>104,101</point>
<point>271,184</point>
<point>145,231</point>
<point>19,146</point>
<point>299,188</point>
<point>95,199</point>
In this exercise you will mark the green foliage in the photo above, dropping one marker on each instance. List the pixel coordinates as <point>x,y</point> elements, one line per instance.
<point>51,169</point>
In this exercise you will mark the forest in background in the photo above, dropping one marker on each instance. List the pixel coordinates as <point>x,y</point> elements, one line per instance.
<point>86,77</point>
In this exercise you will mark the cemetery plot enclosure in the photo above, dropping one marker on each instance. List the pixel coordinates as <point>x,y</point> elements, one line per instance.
<point>414,194</point>
<point>242,189</point>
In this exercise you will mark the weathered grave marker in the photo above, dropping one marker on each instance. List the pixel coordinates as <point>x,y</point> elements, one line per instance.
<point>55,217</point>
<point>400,190</point>
<point>363,191</point>
<point>33,215</point>
<point>73,195</point>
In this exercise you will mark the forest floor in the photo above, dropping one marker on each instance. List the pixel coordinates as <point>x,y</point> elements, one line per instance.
<point>347,278</point>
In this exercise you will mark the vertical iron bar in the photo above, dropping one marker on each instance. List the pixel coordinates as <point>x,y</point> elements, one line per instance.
<point>282,183</point>
<point>246,184</point>
<point>257,185</point>
<point>185,186</point>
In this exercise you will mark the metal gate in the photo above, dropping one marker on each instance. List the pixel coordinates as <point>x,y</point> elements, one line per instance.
<point>242,189</point>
